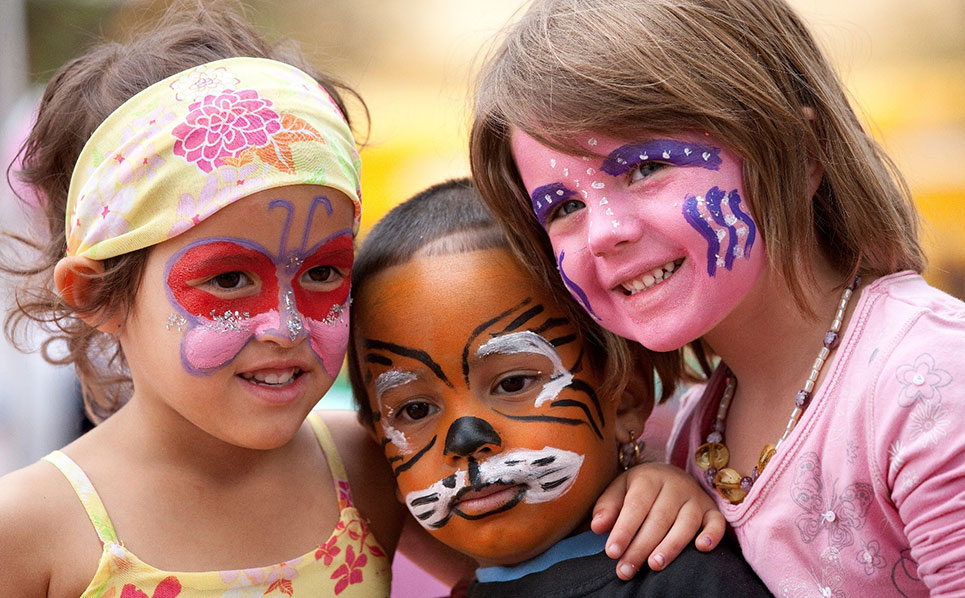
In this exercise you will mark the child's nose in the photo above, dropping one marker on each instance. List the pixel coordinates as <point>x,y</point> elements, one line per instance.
<point>471,436</point>
<point>612,225</point>
<point>290,327</point>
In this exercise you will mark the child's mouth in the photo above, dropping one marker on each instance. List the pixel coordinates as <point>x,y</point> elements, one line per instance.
<point>494,497</point>
<point>273,378</point>
<point>651,279</point>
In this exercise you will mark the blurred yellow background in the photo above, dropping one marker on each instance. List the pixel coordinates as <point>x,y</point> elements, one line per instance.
<point>413,61</point>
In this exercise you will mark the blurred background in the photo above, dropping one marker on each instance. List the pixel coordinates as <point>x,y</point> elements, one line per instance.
<point>413,62</point>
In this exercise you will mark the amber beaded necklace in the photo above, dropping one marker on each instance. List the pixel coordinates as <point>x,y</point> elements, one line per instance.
<point>713,456</point>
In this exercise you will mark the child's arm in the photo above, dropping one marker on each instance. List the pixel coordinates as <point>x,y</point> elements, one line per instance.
<point>652,511</point>
<point>25,544</point>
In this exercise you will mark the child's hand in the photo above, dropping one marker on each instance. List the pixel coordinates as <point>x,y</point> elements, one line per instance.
<point>652,511</point>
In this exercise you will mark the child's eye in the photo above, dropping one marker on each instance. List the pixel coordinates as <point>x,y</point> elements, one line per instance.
<point>514,383</point>
<point>230,281</point>
<point>566,208</point>
<point>322,276</point>
<point>417,410</point>
<point>644,170</point>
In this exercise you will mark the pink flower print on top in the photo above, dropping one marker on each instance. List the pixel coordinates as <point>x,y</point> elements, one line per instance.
<point>328,551</point>
<point>168,588</point>
<point>224,126</point>
<point>350,572</point>
<point>921,380</point>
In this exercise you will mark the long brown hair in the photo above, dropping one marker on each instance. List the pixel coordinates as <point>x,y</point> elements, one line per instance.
<point>76,100</point>
<point>746,71</point>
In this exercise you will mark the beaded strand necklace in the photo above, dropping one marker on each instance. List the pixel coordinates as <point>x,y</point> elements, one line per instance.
<point>713,456</point>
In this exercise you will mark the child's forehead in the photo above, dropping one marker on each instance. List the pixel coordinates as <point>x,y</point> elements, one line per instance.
<point>456,301</point>
<point>281,220</point>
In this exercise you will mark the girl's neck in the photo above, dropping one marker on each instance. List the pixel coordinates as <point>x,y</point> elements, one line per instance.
<point>768,342</point>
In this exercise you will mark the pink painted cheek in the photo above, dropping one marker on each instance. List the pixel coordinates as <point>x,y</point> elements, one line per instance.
<point>329,340</point>
<point>204,349</point>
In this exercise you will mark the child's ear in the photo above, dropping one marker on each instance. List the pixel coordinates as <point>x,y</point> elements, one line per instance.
<point>815,168</point>
<point>636,404</point>
<point>77,280</point>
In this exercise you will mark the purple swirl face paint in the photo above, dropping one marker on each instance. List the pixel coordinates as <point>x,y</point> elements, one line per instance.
<point>716,218</point>
<point>658,245</point>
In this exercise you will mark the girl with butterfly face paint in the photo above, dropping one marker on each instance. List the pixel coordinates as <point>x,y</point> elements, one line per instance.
<point>693,175</point>
<point>493,410</point>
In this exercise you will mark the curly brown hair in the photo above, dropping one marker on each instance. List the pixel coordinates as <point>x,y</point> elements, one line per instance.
<point>77,99</point>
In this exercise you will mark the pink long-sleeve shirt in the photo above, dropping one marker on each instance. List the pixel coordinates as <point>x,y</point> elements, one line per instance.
<point>866,497</point>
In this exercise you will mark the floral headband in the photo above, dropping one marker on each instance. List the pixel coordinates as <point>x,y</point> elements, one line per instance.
<point>187,146</point>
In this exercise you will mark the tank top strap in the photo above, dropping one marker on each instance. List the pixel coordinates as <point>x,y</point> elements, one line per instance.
<point>87,495</point>
<point>340,477</point>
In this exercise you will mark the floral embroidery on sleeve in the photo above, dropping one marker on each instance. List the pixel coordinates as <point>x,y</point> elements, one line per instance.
<point>921,381</point>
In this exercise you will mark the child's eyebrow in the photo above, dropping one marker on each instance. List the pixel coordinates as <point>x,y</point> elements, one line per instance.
<point>417,354</point>
<point>394,378</point>
<point>546,198</point>
<point>668,151</point>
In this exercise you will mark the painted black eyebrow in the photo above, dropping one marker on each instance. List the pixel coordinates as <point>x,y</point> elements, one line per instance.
<point>417,354</point>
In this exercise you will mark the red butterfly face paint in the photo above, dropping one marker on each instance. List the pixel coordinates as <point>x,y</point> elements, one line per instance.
<point>232,290</point>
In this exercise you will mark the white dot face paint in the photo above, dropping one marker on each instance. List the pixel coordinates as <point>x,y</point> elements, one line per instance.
<point>530,342</point>
<point>674,251</point>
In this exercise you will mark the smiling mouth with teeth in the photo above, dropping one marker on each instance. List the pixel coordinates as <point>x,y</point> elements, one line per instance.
<point>272,379</point>
<point>650,279</point>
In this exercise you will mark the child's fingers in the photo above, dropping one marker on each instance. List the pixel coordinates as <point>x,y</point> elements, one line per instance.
<point>658,522</point>
<point>635,511</point>
<point>608,506</point>
<point>680,534</point>
<point>712,532</point>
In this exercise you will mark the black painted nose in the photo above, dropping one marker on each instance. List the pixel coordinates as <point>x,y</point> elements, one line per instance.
<point>469,434</point>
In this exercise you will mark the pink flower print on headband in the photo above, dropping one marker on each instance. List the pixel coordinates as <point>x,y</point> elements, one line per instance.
<point>225,128</point>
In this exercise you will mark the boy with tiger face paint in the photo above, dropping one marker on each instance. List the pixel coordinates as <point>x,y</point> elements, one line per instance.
<point>500,421</point>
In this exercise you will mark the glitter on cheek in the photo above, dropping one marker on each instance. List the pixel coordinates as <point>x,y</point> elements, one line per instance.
<point>175,321</point>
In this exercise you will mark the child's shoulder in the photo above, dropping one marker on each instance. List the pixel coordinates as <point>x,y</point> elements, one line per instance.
<point>369,476</point>
<point>42,526</point>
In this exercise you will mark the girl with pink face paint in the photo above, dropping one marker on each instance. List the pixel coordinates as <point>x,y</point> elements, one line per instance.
<point>690,175</point>
<point>198,273</point>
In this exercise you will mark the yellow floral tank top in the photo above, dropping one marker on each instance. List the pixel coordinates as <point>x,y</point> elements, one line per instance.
<point>350,564</point>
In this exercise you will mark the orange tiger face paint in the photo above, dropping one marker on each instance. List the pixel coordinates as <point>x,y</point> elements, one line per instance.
<point>484,403</point>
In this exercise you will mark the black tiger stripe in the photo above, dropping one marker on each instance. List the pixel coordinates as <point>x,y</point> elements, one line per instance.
<point>563,340</point>
<point>581,405</point>
<point>425,500</point>
<point>582,386</point>
<point>554,483</point>
<point>379,359</point>
<point>524,317</point>
<point>405,466</point>
<point>549,418</point>
<point>551,323</point>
